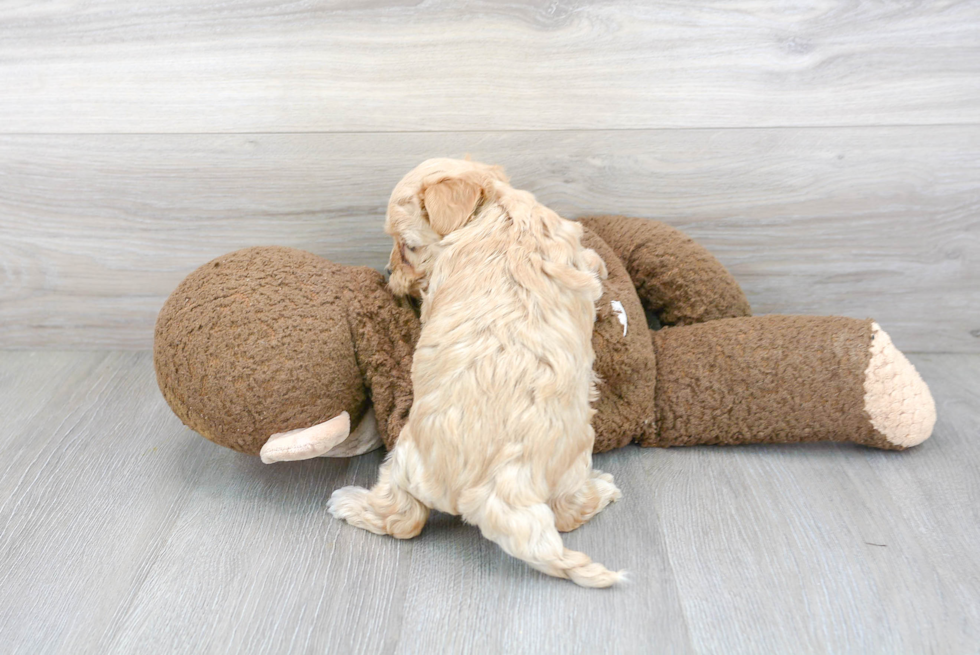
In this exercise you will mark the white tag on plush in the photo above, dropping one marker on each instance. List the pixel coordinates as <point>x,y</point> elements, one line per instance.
<point>620,314</point>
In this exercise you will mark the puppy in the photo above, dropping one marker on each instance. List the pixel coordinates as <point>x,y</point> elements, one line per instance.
<point>499,431</point>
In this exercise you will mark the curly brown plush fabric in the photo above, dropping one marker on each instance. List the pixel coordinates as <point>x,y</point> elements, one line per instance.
<point>626,366</point>
<point>741,380</point>
<point>385,332</point>
<point>675,277</point>
<point>229,319</point>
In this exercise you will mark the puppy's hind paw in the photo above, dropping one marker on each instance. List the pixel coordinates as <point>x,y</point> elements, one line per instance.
<point>356,505</point>
<point>606,488</point>
<point>347,502</point>
<point>608,493</point>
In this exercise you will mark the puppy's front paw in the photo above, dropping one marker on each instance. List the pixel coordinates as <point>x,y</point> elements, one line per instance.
<point>593,262</point>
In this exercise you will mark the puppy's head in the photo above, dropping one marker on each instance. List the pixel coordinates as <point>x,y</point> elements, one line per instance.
<point>436,198</point>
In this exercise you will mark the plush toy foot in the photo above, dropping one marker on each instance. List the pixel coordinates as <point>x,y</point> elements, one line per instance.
<point>895,396</point>
<point>331,438</point>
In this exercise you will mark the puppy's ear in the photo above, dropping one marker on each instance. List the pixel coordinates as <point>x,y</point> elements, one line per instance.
<point>450,203</point>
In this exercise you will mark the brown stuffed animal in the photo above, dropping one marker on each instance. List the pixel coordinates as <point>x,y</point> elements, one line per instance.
<point>276,351</point>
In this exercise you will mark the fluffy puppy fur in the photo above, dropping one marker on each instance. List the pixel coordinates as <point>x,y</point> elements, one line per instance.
<point>499,431</point>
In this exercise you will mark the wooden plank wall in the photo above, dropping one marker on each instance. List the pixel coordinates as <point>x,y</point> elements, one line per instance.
<point>828,152</point>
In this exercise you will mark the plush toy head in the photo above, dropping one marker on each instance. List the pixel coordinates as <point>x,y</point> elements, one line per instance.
<point>257,342</point>
<point>265,340</point>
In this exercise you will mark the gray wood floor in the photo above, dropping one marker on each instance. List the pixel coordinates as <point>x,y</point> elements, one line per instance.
<point>123,532</point>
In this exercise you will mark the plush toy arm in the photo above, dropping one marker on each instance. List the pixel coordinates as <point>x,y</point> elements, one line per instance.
<point>675,277</point>
<point>787,379</point>
<point>385,330</point>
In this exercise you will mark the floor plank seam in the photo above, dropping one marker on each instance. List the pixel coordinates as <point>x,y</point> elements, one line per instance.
<point>557,130</point>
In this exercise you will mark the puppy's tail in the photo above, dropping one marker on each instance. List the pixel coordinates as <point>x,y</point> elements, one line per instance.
<point>529,533</point>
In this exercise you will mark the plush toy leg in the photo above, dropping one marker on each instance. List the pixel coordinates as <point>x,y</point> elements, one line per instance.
<point>787,379</point>
<point>331,438</point>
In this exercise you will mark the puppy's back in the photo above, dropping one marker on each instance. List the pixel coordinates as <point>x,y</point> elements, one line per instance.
<point>503,368</point>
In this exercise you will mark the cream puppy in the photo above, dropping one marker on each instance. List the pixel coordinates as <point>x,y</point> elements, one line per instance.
<point>499,431</point>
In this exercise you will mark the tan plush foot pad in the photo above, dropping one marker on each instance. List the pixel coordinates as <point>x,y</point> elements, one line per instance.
<point>306,443</point>
<point>331,438</point>
<point>895,396</point>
